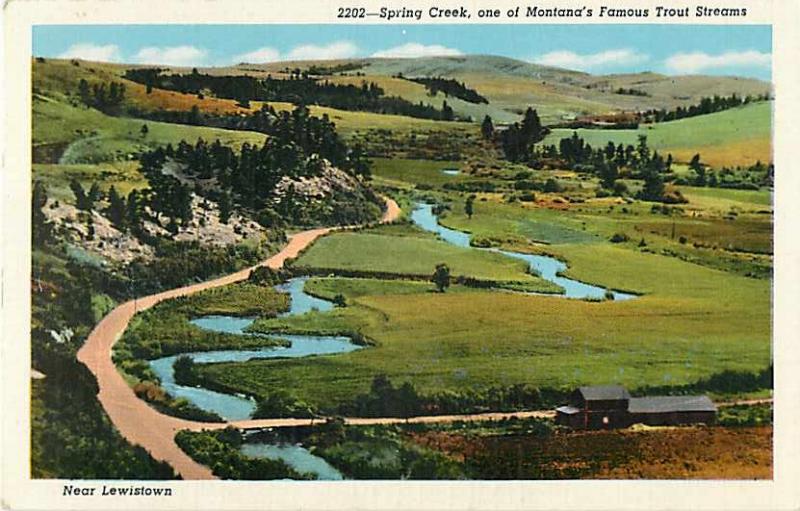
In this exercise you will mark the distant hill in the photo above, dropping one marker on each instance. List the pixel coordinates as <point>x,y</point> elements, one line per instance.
<point>510,85</point>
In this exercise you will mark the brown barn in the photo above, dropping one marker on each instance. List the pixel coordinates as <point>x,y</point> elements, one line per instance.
<point>611,406</point>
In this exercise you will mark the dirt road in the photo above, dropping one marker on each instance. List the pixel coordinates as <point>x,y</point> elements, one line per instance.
<point>135,419</point>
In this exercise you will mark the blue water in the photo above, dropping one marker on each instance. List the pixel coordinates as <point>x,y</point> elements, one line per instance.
<point>423,216</point>
<point>546,267</point>
<point>296,456</point>
<point>235,407</point>
<point>301,302</point>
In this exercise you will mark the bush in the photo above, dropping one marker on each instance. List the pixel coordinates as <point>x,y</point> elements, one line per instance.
<point>220,451</point>
<point>282,404</point>
<point>619,238</point>
<point>745,415</point>
<point>552,186</point>
<point>266,276</point>
<point>620,188</point>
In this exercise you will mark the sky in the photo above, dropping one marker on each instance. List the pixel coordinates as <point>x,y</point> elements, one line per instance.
<point>742,50</point>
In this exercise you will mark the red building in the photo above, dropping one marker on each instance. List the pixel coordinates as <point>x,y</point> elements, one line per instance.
<point>611,406</point>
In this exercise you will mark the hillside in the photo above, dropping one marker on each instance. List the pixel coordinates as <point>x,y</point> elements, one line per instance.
<point>739,136</point>
<point>510,85</point>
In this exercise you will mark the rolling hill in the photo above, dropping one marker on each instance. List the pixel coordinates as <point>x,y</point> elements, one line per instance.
<point>510,85</point>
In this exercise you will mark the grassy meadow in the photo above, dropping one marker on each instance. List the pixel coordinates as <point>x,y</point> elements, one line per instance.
<point>698,312</point>
<point>691,320</point>
<point>87,136</point>
<point>739,136</point>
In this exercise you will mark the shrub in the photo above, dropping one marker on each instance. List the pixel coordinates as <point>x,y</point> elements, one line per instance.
<point>340,300</point>
<point>619,238</point>
<point>552,186</point>
<point>282,404</point>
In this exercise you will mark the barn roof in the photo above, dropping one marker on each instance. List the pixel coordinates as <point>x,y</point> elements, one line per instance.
<point>604,392</point>
<point>666,404</point>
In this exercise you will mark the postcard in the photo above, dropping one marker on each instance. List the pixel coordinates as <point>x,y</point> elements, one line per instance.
<point>418,255</point>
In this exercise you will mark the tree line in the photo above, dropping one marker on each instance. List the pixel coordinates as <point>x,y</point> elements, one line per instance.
<point>449,87</point>
<point>519,139</point>
<point>297,89</point>
<point>298,146</point>
<point>706,105</point>
<point>609,161</point>
<point>106,97</point>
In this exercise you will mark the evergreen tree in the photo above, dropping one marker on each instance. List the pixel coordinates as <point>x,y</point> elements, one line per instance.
<point>133,210</point>
<point>643,152</point>
<point>699,171</point>
<point>487,128</point>
<point>441,277</point>
<point>225,207</point>
<point>469,206</point>
<point>447,112</point>
<point>653,189</point>
<point>81,200</point>
<point>84,92</point>
<point>532,132</point>
<point>116,210</point>
<point>42,229</point>
<point>94,195</point>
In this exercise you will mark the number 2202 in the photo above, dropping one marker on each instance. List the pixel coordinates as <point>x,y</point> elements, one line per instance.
<point>351,12</point>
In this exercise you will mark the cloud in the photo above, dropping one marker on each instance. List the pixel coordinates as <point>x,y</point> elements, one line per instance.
<point>335,50</point>
<point>89,51</point>
<point>609,58</point>
<point>171,55</point>
<point>695,62</point>
<point>412,50</point>
<point>265,54</point>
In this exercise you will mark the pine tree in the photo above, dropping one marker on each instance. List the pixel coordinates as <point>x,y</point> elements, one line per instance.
<point>81,200</point>
<point>487,128</point>
<point>699,170</point>
<point>133,210</point>
<point>116,210</point>
<point>83,92</point>
<point>225,207</point>
<point>469,208</point>
<point>42,229</point>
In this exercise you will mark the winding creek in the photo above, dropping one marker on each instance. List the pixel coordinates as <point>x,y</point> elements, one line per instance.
<point>548,268</point>
<point>237,407</point>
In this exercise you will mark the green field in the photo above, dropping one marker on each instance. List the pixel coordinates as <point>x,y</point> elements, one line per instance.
<point>413,256</point>
<point>739,136</point>
<point>88,136</point>
<point>692,320</point>
<point>427,172</point>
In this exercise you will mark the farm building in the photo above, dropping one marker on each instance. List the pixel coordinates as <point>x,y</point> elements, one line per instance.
<point>611,406</point>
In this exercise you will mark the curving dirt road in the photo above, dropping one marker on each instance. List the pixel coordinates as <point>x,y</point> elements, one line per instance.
<point>136,420</point>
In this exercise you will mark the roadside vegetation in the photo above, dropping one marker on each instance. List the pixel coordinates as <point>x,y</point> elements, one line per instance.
<point>219,450</point>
